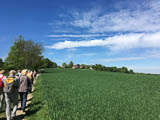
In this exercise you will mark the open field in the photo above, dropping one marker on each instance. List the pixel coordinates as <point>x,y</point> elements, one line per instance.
<point>93,95</point>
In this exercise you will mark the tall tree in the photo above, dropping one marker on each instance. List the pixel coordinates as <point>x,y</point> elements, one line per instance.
<point>70,64</point>
<point>124,69</point>
<point>1,63</point>
<point>64,65</point>
<point>24,54</point>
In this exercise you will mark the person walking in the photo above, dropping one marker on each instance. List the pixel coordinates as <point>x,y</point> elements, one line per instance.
<point>2,78</point>
<point>30,76</point>
<point>19,73</point>
<point>34,76</point>
<point>24,87</point>
<point>11,84</point>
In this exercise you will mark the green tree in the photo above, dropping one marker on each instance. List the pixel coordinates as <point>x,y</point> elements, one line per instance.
<point>99,67</point>
<point>24,54</point>
<point>131,71</point>
<point>114,69</point>
<point>70,64</point>
<point>64,65</point>
<point>47,63</point>
<point>83,66</point>
<point>1,63</point>
<point>124,70</point>
<point>54,65</point>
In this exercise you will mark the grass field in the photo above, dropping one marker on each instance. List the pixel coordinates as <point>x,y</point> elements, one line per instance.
<point>93,95</point>
<point>38,109</point>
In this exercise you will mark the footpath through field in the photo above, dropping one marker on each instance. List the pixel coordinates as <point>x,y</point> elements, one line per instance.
<point>20,114</point>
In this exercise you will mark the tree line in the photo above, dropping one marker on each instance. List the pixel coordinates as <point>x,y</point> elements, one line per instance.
<point>98,67</point>
<point>112,69</point>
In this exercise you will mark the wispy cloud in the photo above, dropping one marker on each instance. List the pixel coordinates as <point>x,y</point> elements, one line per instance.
<point>146,18</point>
<point>86,54</point>
<point>75,44</point>
<point>117,42</point>
<point>72,50</point>
<point>120,59</point>
<point>146,69</point>
<point>149,54</point>
<point>80,35</point>
<point>51,53</point>
<point>155,53</point>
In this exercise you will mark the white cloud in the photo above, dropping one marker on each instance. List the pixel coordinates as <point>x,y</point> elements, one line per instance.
<point>144,19</point>
<point>72,50</point>
<point>146,69</point>
<point>152,53</point>
<point>86,54</point>
<point>117,42</point>
<point>121,59</point>
<point>148,54</point>
<point>74,44</point>
<point>77,36</point>
<point>85,19</point>
<point>60,39</point>
<point>51,53</point>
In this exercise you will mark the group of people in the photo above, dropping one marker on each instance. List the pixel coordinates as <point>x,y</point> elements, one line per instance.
<point>19,82</point>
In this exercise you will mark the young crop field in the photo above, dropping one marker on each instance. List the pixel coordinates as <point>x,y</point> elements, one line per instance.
<point>93,95</point>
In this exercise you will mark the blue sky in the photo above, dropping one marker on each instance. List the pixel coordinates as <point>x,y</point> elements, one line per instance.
<point>109,32</point>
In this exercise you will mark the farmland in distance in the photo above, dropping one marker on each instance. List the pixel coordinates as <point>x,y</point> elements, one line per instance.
<point>93,95</point>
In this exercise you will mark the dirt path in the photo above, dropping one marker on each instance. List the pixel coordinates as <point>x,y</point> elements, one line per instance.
<point>20,114</point>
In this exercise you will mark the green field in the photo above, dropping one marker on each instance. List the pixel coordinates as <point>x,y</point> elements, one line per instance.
<point>93,95</point>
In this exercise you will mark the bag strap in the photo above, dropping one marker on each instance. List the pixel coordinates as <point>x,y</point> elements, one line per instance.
<point>2,77</point>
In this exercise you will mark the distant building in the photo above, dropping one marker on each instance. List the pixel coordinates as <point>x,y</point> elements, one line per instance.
<point>81,66</point>
<point>91,68</point>
<point>78,65</point>
<point>75,66</point>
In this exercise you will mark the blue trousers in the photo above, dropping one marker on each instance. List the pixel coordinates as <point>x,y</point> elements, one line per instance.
<point>23,96</point>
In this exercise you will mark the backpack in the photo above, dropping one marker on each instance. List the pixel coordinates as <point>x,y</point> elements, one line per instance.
<point>1,82</point>
<point>9,85</point>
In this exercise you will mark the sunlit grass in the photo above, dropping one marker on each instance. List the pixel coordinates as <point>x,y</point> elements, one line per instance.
<point>93,95</point>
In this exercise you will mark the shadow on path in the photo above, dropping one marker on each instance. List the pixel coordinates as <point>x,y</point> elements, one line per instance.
<point>3,118</point>
<point>35,110</point>
<point>19,117</point>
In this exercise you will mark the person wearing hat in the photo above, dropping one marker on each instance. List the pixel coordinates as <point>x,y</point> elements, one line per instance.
<point>2,78</point>
<point>24,88</point>
<point>11,96</point>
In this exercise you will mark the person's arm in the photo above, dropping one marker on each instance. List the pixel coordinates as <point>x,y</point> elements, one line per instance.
<point>4,78</point>
<point>29,81</point>
<point>29,85</point>
<point>16,83</point>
